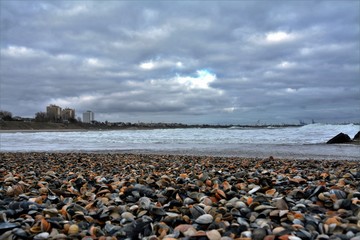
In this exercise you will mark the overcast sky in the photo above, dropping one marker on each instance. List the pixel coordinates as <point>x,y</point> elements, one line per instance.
<point>183,61</point>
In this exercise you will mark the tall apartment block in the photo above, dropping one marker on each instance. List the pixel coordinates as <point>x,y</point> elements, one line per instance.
<point>68,113</point>
<point>88,117</point>
<point>53,112</point>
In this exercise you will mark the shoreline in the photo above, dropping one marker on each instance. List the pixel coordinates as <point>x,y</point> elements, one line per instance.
<point>191,153</point>
<point>99,195</point>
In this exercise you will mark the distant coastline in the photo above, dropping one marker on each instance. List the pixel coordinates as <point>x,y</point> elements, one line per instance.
<point>20,126</point>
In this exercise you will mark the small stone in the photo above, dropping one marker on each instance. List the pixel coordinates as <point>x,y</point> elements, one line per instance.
<point>258,234</point>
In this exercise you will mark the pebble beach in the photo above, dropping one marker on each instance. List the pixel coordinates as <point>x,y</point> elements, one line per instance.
<point>144,196</point>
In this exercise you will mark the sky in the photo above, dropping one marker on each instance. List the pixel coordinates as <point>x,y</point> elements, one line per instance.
<point>193,62</point>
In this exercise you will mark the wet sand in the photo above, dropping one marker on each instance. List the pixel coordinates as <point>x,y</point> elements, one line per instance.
<point>147,196</point>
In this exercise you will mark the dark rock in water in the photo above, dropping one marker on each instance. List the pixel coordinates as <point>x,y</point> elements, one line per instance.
<point>340,138</point>
<point>357,136</point>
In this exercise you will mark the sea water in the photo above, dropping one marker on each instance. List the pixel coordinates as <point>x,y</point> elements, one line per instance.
<point>303,142</point>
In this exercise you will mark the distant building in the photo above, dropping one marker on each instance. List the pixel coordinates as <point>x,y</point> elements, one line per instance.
<point>68,113</point>
<point>53,112</point>
<point>88,117</point>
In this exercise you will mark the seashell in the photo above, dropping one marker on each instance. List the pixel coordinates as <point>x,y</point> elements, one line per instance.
<point>219,194</point>
<point>322,237</point>
<point>196,211</point>
<point>239,204</point>
<point>103,192</point>
<point>35,229</point>
<point>95,231</point>
<point>10,179</point>
<point>158,211</point>
<point>298,180</point>
<point>347,175</point>
<point>278,230</point>
<point>18,189</point>
<point>166,178</point>
<point>144,203</point>
<point>127,216</point>
<point>254,205</point>
<point>134,208</point>
<point>302,233</point>
<point>55,222</point>
<point>254,189</point>
<point>341,183</point>
<point>59,236</point>
<point>235,212</point>
<point>338,193</point>
<point>324,175</point>
<point>199,234</point>
<point>172,214</point>
<point>5,226</point>
<point>51,211</point>
<point>206,201</point>
<point>204,219</point>
<point>10,191</point>
<point>263,207</point>
<point>183,227</point>
<point>186,229</point>
<point>298,206</point>
<point>298,215</point>
<point>249,201</point>
<point>332,220</point>
<point>40,236</point>
<point>43,190</point>
<point>203,176</point>
<point>73,229</point>
<point>20,233</point>
<point>258,233</point>
<point>270,192</point>
<point>281,204</point>
<point>141,213</point>
<point>226,185</point>
<point>293,238</point>
<point>188,201</point>
<point>104,200</point>
<point>213,235</point>
<point>297,223</point>
<point>263,223</point>
<point>246,235</point>
<point>243,222</point>
<point>274,213</point>
<point>244,211</point>
<point>317,191</point>
<point>45,225</point>
<point>241,186</point>
<point>324,196</point>
<point>183,175</point>
<point>208,183</point>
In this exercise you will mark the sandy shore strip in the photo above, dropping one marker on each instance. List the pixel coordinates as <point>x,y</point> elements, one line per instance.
<point>42,130</point>
<point>140,196</point>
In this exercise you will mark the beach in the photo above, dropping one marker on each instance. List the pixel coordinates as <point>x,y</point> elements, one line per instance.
<point>72,195</point>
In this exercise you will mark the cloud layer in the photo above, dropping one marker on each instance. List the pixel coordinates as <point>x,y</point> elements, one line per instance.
<point>190,62</point>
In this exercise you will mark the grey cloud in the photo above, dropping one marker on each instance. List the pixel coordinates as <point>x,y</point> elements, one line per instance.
<point>275,62</point>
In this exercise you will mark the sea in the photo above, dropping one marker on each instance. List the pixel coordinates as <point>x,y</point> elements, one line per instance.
<point>299,142</point>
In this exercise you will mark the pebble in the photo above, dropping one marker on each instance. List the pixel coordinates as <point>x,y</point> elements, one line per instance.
<point>138,196</point>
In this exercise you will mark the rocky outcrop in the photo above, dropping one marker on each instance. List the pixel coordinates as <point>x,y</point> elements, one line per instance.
<point>357,137</point>
<point>340,138</point>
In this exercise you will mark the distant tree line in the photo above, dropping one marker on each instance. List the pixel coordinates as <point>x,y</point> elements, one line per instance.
<point>6,115</point>
<point>39,117</point>
<point>43,117</point>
